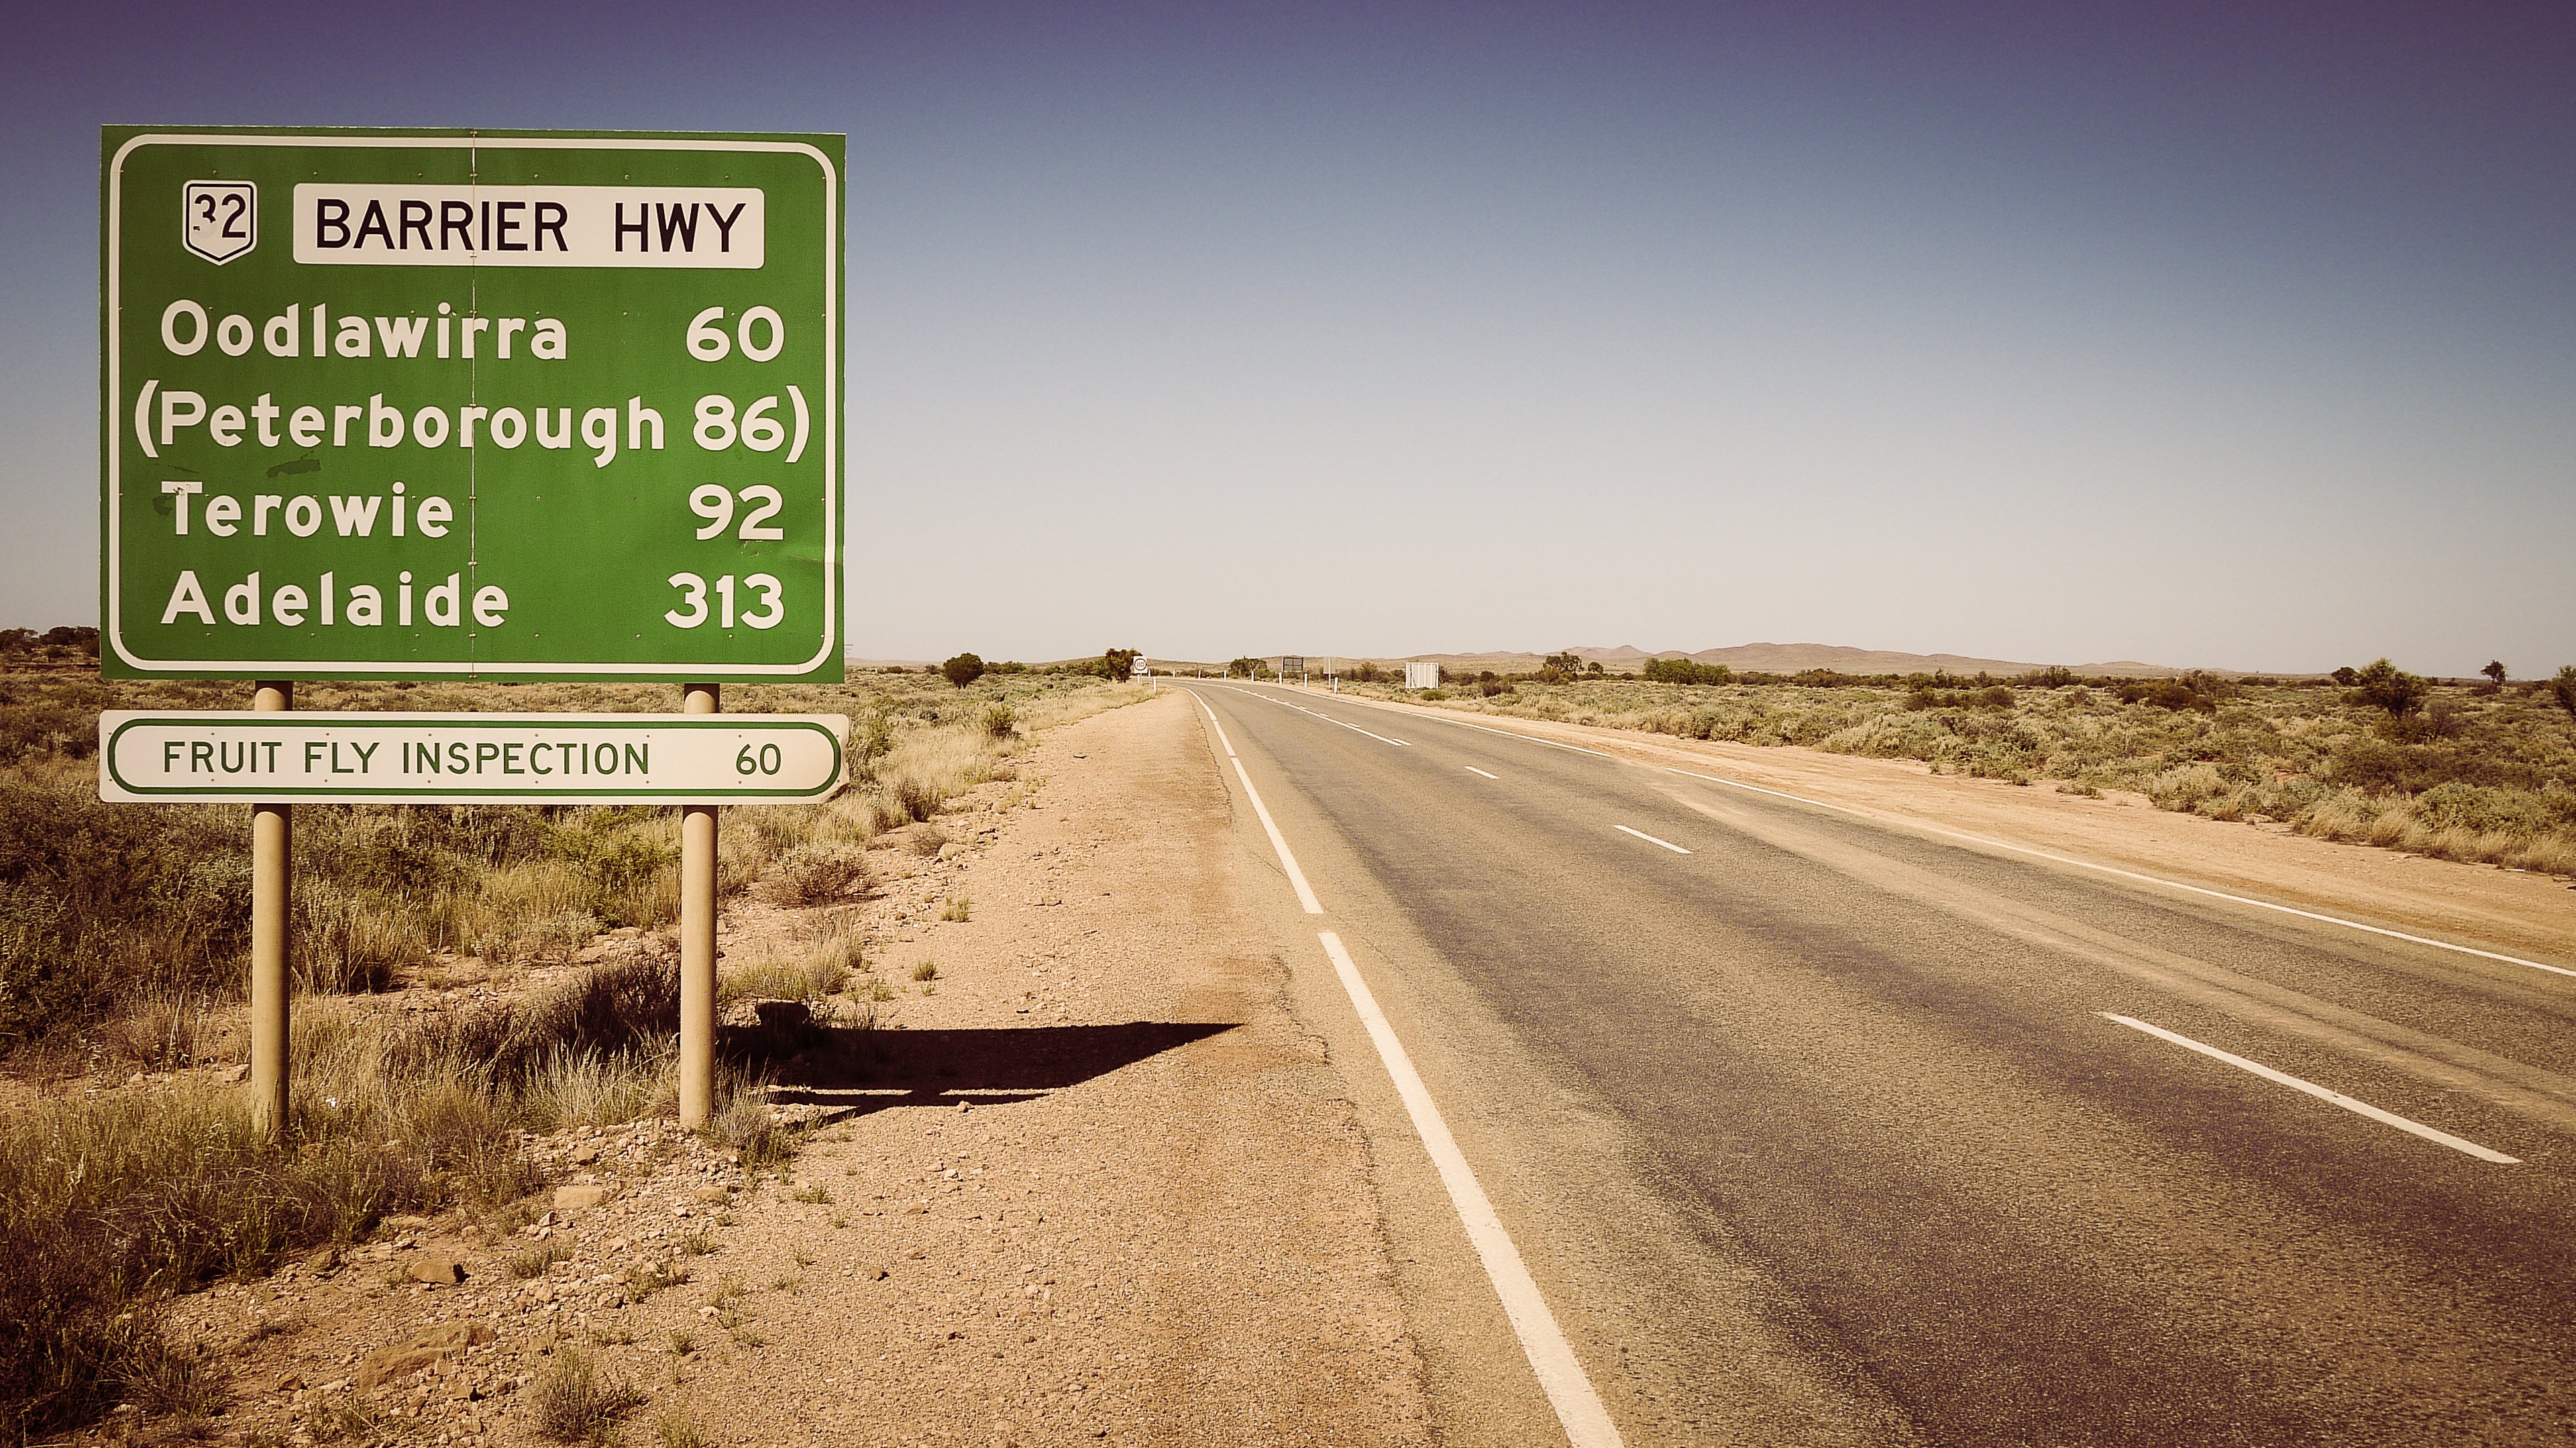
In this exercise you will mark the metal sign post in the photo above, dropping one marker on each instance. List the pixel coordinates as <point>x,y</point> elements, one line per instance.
<point>468,405</point>
<point>272,922</point>
<point>698,941</point>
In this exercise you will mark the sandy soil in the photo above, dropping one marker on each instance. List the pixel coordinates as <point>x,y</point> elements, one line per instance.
<point>1093,1185</point>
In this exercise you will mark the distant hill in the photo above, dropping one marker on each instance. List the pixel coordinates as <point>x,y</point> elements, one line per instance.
<point>1791,659</point>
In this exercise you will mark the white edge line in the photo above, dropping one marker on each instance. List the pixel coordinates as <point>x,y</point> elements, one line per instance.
<point>1471,769</point>
<point>1650,839</point>
<point>1287,861</point>
<point>1560,1374</point>
<point>2283,1078</point>
<point>2134,875</point>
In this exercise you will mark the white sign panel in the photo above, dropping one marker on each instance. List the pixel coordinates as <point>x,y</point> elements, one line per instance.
<point>469,758</point>
<point>707,227</point>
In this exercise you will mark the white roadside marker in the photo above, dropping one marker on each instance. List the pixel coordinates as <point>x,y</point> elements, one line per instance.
<point>1650,839</point>
<point>2283,1078</point>
<point>1471,769</point>
<point>1560,1373</point>
<point>2132,874</point>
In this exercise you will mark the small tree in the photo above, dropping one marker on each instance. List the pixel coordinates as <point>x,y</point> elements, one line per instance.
<point>2495,673</point>
<point>2562,687</point>
<point>1244,668</point>
<point>1117,664</point>
<point>2346,676</point>
<point>2383,685</point>
<point>963,669</point>
<point>1564,663</point>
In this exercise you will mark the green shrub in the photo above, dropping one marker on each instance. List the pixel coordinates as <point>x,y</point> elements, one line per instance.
<point>1684,671</point>
<point>2385,686</point>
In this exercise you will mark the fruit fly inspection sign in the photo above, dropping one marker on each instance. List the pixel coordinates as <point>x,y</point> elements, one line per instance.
<point>470,758</point>
<point>505,405</point>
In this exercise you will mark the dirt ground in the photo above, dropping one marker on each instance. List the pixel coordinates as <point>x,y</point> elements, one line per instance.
<point>1093,1185</point>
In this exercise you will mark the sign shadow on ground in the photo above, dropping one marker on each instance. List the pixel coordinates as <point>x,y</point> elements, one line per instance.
<point>860,1071</point>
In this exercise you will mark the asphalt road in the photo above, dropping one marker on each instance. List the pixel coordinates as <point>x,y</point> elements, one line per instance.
<point>1821,1132</point>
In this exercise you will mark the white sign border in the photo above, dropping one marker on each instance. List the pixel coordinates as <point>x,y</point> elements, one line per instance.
<point>116,791</point>
<point>113,635</point>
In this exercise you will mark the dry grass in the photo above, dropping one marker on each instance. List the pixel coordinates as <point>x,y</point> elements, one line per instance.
<point>110,1203</point>
<point>122,930</point>
<point>810,972</point>
<point>573,1403</point>
<point>102,906</point>
<point>817,872</point>
<point>2481,777</point>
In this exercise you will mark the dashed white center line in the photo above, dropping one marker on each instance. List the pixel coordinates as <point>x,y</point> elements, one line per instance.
<point>1650,839</point>
<point>1527,738</point>
<point>1471,769</point>
<point>2284,1078</point>
<point>1994,844</point>
<point>1329,719</point>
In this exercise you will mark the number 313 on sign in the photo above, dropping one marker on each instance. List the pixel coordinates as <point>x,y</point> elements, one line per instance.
<point>693,602</point>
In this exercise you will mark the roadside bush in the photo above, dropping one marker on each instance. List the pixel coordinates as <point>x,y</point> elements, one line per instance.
<point>624,871</point>
<point>811,874</point>
<point>47,729</point>
<point>2171,694</point>
<point>2381,766</point>
<point>962,670</point>
<point>346,941</point>
<point>2385,686</point>
<point>631,1005</point>
<point>101,901</point>
<point>1684,671</point>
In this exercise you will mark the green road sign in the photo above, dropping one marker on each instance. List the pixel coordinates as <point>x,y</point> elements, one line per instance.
<point>436,404</point>
<point>211,757</point>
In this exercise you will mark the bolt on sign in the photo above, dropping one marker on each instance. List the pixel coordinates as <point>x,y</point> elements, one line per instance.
<point>471,404</point>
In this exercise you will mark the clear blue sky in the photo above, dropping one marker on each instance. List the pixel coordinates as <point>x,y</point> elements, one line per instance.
<point>2240,335</point>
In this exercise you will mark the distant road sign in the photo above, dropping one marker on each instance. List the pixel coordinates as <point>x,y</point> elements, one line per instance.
<point>469,758</point>
<point>470,404</point>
